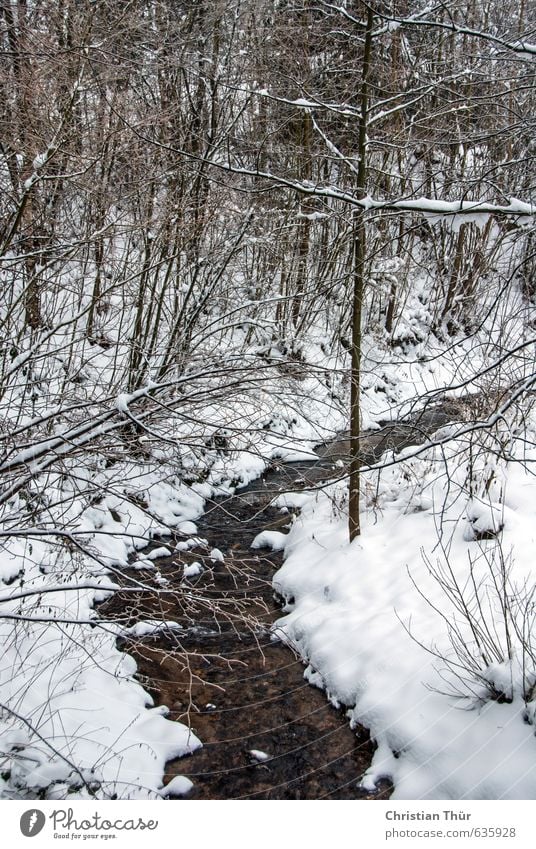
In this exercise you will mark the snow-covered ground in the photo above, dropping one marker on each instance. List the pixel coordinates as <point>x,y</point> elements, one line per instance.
<point>423,627</point>
<point>75,722</point>
<point>74,719</point>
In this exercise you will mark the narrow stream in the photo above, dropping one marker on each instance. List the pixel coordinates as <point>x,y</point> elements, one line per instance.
<point>267,734</point>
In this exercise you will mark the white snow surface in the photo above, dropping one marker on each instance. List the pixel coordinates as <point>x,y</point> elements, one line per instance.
<point>178,786</point>
<point>379,632</point>
<point>74,721</point>
<point>78,693</point>
<point>159,552</point>
<point>270,539</point>
<point>192,570</point>
<point>150,626</point>
<point>259,756</point>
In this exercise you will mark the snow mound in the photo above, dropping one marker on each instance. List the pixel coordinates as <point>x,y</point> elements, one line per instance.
<point>270,539</point>
<point>148,627</point>
<point>178,786</point>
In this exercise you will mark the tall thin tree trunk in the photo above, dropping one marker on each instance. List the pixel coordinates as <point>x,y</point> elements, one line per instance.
<point>359,257</point>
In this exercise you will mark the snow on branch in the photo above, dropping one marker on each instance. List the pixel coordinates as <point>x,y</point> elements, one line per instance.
<point>427,206</point>
<point>519,46</point>
<point>393,22</point>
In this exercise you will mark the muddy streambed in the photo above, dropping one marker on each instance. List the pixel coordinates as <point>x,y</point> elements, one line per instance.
<point>266,733</point>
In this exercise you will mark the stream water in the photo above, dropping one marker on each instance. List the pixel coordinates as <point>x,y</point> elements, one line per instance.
<point>225,677</point>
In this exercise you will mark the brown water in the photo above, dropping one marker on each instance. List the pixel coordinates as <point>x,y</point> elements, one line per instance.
<point>225,677</point>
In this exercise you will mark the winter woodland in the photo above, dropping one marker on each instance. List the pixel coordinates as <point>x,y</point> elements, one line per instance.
<point>230,232</point>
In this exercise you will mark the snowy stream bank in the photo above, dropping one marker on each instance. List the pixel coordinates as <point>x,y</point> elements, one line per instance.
<point>220,671</point>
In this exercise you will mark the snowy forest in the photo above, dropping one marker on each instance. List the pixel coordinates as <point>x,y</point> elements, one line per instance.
<point>267,382</point>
